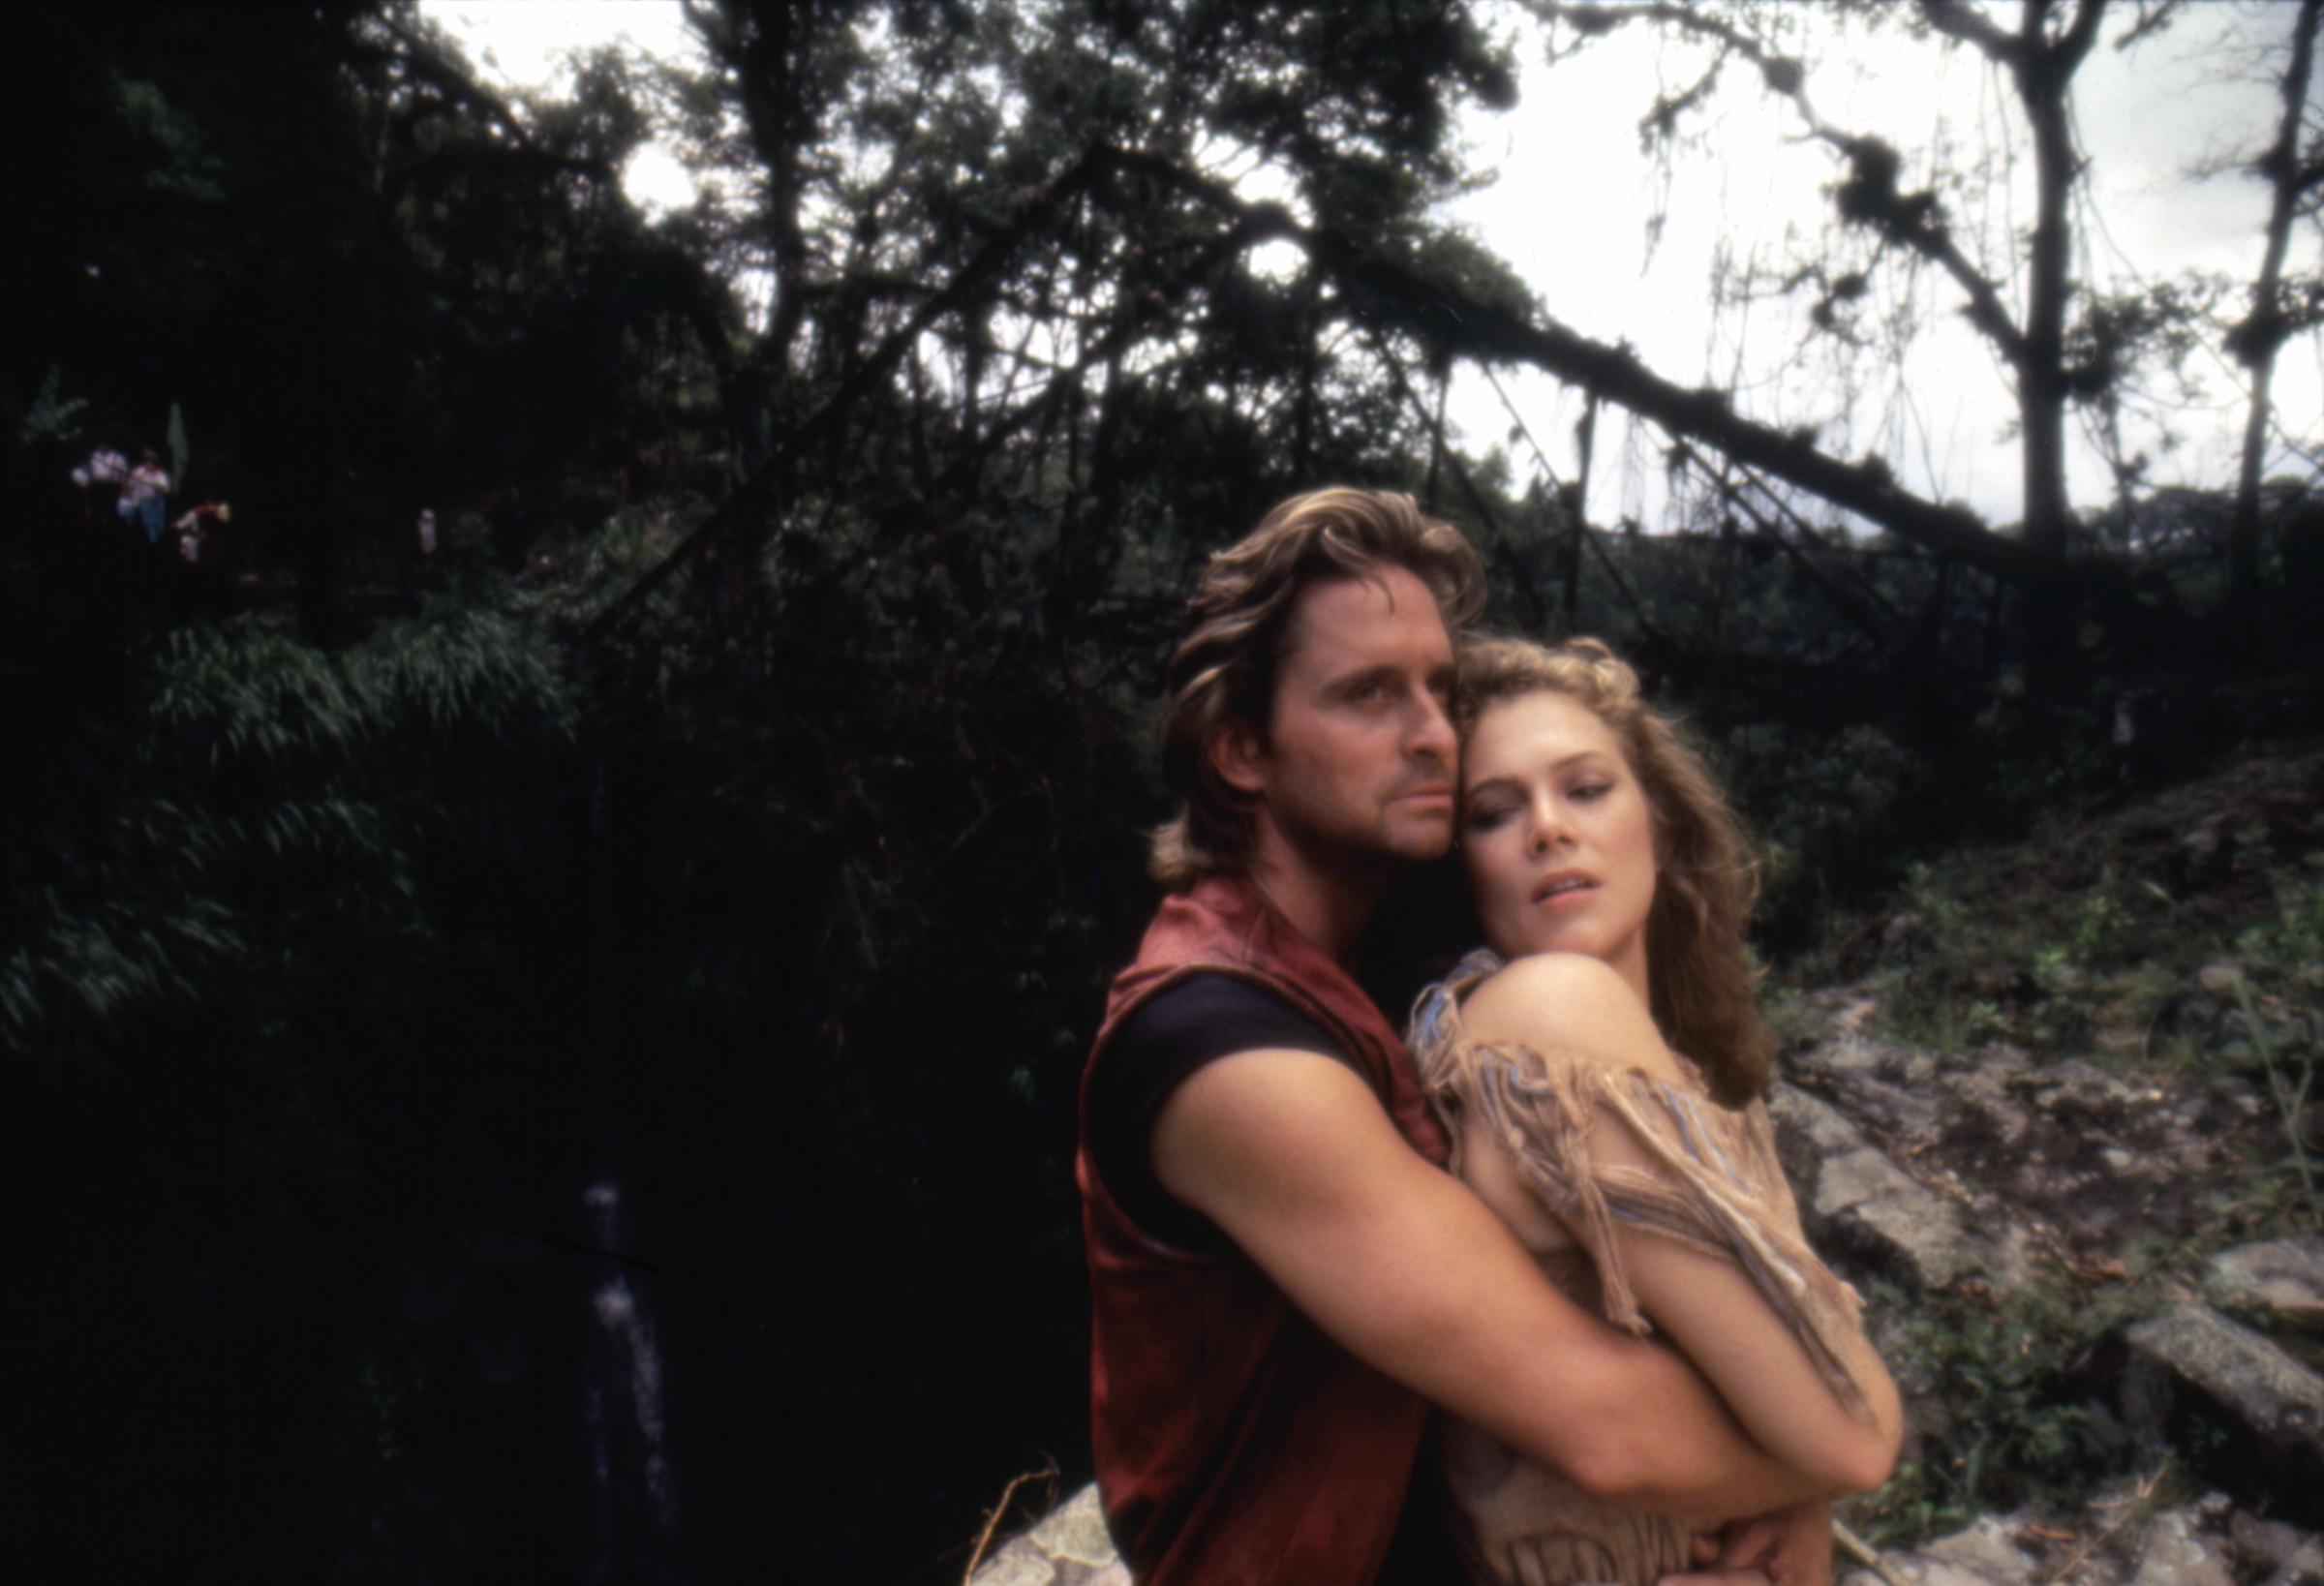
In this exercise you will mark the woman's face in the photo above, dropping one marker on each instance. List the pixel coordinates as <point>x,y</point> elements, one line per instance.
<point>1556,833</point>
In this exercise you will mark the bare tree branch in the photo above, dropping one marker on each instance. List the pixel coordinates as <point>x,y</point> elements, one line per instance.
<point>746,513</point>
<point>2261,335</point>
<point>1783,74</point>
<point>1465,326</point>
<point>1956,20</point>
<point>2154,16</point>
<point>2083,32</point>
<point>1869,197</point>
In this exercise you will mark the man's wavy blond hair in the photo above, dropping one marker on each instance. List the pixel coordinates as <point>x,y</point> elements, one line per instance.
<point>1223,674</point>
<point>1707,874</point>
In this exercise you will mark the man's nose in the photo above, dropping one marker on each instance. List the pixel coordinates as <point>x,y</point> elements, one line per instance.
<point>1431,734</point>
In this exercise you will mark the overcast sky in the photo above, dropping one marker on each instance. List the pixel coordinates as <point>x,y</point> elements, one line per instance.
<point>1569,210</point>
<point>1574,192</point>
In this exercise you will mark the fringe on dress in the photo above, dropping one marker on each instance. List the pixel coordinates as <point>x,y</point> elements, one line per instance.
<point>1721,1190</point>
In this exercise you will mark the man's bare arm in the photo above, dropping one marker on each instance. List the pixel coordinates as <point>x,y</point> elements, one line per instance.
<point>1292,1156</point>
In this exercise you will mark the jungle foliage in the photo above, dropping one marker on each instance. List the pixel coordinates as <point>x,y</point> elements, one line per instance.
<point>746,802</point>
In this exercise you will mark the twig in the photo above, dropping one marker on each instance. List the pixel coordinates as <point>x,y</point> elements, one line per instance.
<point>1857,1548</point>
<point>976,1554</point>
<point>2131,1508</point>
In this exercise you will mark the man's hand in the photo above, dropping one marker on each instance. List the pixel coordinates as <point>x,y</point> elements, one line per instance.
<point>1295,1160</point>
<point>1783,1548</point>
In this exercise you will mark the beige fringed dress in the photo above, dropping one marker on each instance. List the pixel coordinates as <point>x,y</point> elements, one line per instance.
<point>1721,1192</point>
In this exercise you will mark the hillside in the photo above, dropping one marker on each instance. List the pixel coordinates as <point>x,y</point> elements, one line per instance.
<point>2049,1104</point>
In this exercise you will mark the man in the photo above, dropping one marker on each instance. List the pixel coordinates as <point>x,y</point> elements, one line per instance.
<point>1282,1276</point>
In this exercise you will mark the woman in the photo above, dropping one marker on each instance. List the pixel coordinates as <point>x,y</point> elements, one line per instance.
<point>1612,885</point>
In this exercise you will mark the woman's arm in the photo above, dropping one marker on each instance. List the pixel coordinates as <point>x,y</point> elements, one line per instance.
<point>1579,1009</point>
<point>1294,1157</point>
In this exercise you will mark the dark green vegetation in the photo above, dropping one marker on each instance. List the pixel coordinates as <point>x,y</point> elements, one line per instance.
<point>2094,932</point>
<point>745,806</point>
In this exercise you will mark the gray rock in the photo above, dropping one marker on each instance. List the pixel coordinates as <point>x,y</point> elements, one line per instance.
<point>1986,1554</point>
<point>2304,1567</point>
<point>1882,1087</point>
<point>2235,1403</point>
<point>2270,1548</point>
<point>1068,1549</point>
<point>1987,1091</point>
<point>2278,1284</point>
<point>1848,1052</point>
<point>2209,1542</point>
<point>1015,1564</point>
<point>2035,1156</point>
<point>2172,1552</point>
<point>1811,1128</point>
<point>2219,980</point>
<point>2201,851</point>
<point>1852,1196</point>
<point>2077,1087</point>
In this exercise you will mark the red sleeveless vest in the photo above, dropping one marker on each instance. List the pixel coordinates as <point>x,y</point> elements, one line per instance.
<point>1235,1443</point>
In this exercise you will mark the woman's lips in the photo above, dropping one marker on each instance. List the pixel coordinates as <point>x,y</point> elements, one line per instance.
<point>1564,891</point>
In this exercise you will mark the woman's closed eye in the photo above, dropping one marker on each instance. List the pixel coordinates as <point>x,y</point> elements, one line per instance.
<point>1483,817</point>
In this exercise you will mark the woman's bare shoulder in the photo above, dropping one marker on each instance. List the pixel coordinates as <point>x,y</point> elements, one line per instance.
<point>1573,1006</point>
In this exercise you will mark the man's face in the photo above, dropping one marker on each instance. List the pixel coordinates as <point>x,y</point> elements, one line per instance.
<point>1357,766</point>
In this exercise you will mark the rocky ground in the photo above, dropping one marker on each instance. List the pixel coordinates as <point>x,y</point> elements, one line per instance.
<point>2048,1107</point>
<point>2053,1118</point>
<point>2035,1240</point>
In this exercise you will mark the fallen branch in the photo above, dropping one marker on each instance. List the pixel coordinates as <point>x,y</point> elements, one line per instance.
<point>983,1539</point>
<point>2132,1507</point>
<point>1857,1548</point>
<point>1459,324</point>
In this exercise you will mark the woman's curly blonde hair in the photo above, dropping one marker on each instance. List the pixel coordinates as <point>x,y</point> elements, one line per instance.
<point>1707,874</point>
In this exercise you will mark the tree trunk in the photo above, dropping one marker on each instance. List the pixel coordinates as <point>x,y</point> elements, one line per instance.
<point>2040,376</point>
<point>2261,336</point>
<point>2042,77</point>
<point>1585,446</point>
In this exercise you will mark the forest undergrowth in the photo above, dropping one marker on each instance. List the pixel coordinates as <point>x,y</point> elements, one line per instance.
<point>2173,937</point>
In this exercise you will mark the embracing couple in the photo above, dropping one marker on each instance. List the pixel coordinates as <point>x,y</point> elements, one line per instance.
<point>1516,1297</point>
